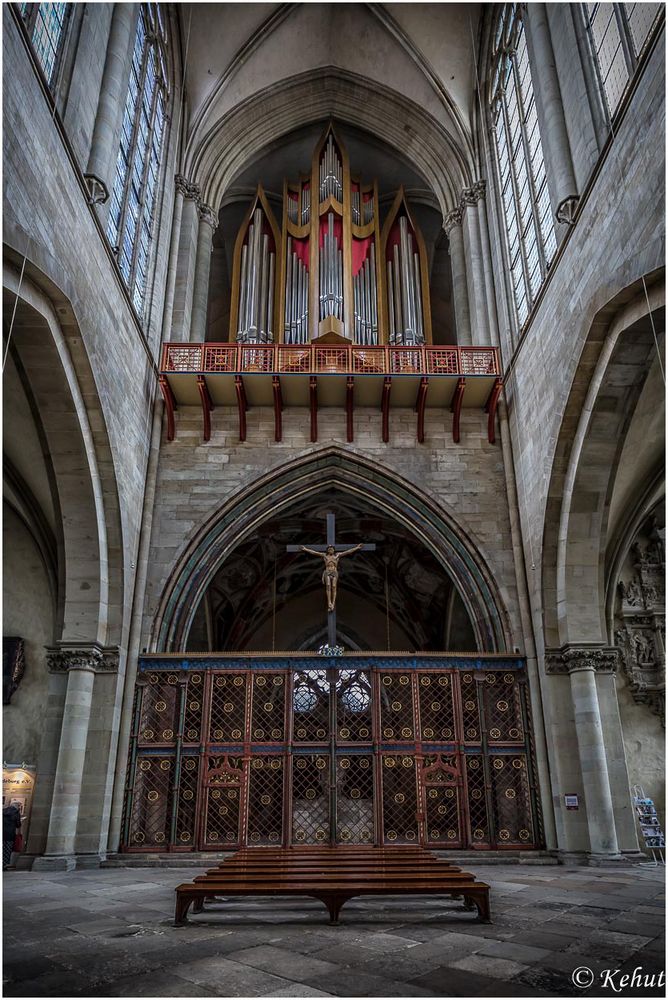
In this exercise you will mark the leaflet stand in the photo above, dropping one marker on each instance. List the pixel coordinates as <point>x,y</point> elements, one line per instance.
<point>649,827</point>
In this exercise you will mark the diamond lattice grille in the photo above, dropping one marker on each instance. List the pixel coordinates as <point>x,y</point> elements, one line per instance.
<point>228,708</point>
<point>158,721</point>
<point>475,782</point>
<point>186,812</point>
<point>192,720</point>
<point>310,702</point>
<point>399,799</point>
<point>310,798</point>
<point>225,783</point>
<point>354,799</point>
<point>268,711</point>
<point>354,704</point>
<point>511,800</point>
<point>150,819</point>
<point>503,712</point>
<point>396,707</point>
<point>437,716</point>
<point>265,801</point>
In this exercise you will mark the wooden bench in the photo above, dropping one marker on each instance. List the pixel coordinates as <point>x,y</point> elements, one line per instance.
<point>333,875</point>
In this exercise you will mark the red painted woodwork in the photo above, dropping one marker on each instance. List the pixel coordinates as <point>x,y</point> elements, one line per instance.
<point>242,405</point>
<point>385,408</point>
<point>456,408</point>
<point>207,406</point>
<point>420,407</point>
<point>350,402</point>
<point>490,408</point>
<point>170,405</point>
<point>278,408</point>
<point>313,403</point>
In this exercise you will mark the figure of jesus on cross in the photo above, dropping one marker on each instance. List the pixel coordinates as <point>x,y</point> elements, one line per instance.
<point>331,553</point>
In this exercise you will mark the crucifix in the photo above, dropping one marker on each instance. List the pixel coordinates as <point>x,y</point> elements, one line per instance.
<point>331,553</point>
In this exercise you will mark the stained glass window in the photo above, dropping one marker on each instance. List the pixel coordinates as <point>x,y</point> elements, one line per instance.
<point>524,193</point>
<point>45,23</point>
<point>133,196</point>
<point>619,33</point>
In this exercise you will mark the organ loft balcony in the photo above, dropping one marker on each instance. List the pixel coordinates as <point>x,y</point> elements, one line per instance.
<point>316,376</point>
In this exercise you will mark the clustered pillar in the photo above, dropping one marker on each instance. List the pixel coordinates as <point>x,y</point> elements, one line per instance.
<point>207,226</point>
<point>187,290</point>
<point>472,281</point>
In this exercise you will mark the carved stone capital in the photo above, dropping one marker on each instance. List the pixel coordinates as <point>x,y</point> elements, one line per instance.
<point>208,215</point>
<point>82,656</point>
<point>566,210</point>
<point>571,659</point>
<point>452,219</point>
<point>472,195</point>
<point>187,188</point>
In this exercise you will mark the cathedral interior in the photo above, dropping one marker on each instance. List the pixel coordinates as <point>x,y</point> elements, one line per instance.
<point>333,466</point>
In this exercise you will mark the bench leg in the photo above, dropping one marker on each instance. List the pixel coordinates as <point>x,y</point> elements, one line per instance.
<point>481,901</point>
<point>181,913</point>
<point>198,905</point>
<point>334,904</point>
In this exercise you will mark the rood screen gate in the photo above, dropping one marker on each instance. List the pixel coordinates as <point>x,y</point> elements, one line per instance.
<point>359,749</point>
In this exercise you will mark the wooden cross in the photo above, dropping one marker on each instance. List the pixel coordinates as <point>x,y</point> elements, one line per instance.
<point>331,569</point>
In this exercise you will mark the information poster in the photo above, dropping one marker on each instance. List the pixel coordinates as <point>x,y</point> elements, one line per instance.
<point>18,785</point>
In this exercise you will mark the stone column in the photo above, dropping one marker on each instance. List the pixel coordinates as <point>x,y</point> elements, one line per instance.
<point>184,275</point>
<point>490,299</point>
<point>476,278</point>
<point>207,226</point>
<point>180,189</point>
<point>453,230</point>
<point>80,662</point>
<point>553,132</point>
<point>103,148</point>
<point>581,664</point>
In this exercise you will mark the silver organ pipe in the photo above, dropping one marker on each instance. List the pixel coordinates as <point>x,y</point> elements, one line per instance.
<point>256,285</point>
<point>295,321</point>
<point>331,172</point>
<point>365,294</point>
<point>404,291</point>
<point>331,273</point>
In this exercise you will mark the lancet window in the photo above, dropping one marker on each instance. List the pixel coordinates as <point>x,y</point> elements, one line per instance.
<point>45,23</point>
<point>132,205</point>
<point>522,178</point>
<point>328,274</point>
<point>619,33</point>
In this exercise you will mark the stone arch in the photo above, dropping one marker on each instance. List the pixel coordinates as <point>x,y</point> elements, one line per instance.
<point>613,366</point>
<point>431,525</point>
<point>218,154</point>
<point>47,346</point>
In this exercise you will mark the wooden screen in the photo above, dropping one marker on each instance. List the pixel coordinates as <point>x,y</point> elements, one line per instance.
<point>304,750</point>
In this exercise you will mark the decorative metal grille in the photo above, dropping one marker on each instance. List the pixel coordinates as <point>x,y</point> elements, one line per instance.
<point>354,799</point>
<point>265,801</point>
<point>437,714</point>
<point>396,707</point>
<point>310,798</point>
<point>268,712</point>
<point>348,751</point>
<point>310,706</point>
<point>228,708</point>
<point>400,824</point>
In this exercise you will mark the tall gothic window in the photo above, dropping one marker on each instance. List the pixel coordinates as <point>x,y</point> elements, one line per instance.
<point>45,23</point>
<point>526,201</point>
<point>619,33</point>
<point>133,197</point>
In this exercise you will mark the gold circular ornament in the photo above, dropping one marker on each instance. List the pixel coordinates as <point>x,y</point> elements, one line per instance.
<point>388,732</point>
<point>478,834</point>
<point>213,835</point>
<point>444,681</point>
<point>498,763</point>
<point>400,797</point>
<point>406,733</point>
<point>434,834</point>
<point>467,678</point>
<point>344,763</point>
<point>363,764</point>
<point>275,765</point>
<point>407,762</point>
<point>469,705</point>
<point>471,733</point>
<point>153,678</point>
<point>391,835</point>
<point>502,706</point>
<point>188,795</point>
<point>451,834</point>
<point>504,834</point>
<point>257,763</point>
<point>301,763</point>
<point>230,836</point>
<point>236,734</point>
<point>396,706</point>
<point>490,678</point>
<point>238,681</point>
<point>260,681</point>
<point>265,799</point>
<point>447,733</point>
<point>172,679</point>
<point>193,706</point>
<point>425,681</point>
<point>410,834</point>
<point>449,793</point>
<point>510,793</point>
<point>364,733</point>
<point>144,765</point>
<point>196,679</point>
<point>476,793</point>
<point>184,836</point>
<point>442,810</point>
<point>389,761</point>
<point>221,682</point>
<point>321,733</point>
<point>344,733</point>
<point>345,834</point>
<point>268,706</point>
<point>231,793</point>
<point>273,837</point>
<point>228,707</point>
<point>223,810</point>
<point>255,837</point>
<point>404,680</point>
<point>192,734</point>
<point>355,793</point>
<point>190,764</point>
<point>320,835</point>
<point>524,835</point>
<point>148,734</point>
<point>139,838</point>
<point>165,765</point>
<point>277,681</point>
<point>258,734</point>
<point>320,762</point>
<point>300,835</point>
<point>167,734</point>
<point>428,733</point>
<point>218,734</point>
<point>473,764</point>
<point>495,733</point>
<point>153,796</point>
<point>160,706</point>
<point>276,734</point>
<point>387,681</point>
<point>509,678</point>
<point>435,706</point>
<point>301,733</point>
<point>216,793</point>
<point>514,733</point>
<point>365,835</point>
<point>518,763</point>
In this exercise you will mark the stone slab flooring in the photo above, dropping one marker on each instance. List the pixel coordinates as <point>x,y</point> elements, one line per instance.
<point>109,932</point>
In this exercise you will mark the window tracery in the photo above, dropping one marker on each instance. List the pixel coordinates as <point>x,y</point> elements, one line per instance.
<point>133,196</point>
<point>619,33</point>
<point>531,238</point>
<point>45,24</point>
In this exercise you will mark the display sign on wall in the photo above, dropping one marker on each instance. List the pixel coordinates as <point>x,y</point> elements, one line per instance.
<point>650,828</point>
<point>18,785</point>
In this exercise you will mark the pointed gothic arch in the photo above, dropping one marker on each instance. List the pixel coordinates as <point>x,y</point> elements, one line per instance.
<point>239,517</point>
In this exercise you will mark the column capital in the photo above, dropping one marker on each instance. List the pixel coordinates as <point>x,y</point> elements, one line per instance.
<point>187,188</point>
<point>473,194</point>
<point>68,656</point>
<point>208,215</point>
<point>571,659</point>
<point>452,219</point>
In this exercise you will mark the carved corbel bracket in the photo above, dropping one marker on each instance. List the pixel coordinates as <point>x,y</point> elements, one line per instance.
<point>82,656</point>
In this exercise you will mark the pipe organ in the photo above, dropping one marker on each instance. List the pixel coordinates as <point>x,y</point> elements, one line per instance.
<point>330,274</point>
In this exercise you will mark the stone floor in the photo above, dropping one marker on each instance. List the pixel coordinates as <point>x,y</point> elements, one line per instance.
<point>109,933</point>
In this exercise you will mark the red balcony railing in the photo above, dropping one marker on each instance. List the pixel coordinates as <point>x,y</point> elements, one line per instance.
<point>313,359</point>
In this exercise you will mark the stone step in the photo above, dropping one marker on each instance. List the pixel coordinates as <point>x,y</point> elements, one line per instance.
<point>207,859</point>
